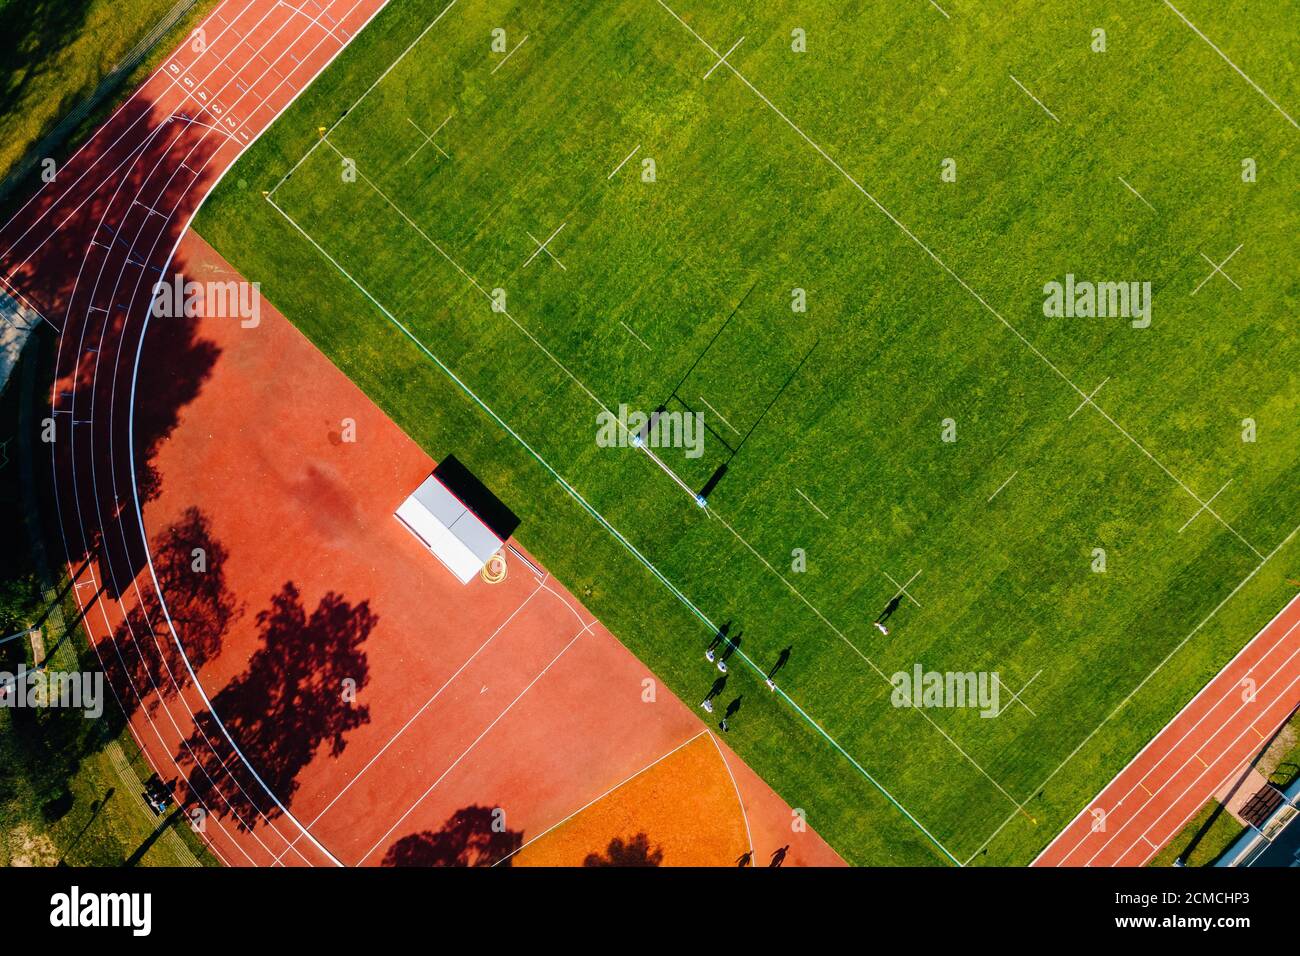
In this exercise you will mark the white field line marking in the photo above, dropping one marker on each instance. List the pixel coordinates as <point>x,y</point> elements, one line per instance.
<point>635,150</point>
<point>1004,484</point>
<point>1239,70</point>
<point>1034,98</point>
<point>749,836</point>
<point>1227,692</point>
<point>1015,695</point>
<point>428,139</point>
<point>1203,507</point>
<point>645,447</point>
<point>1087,399</point>
<point>595,800</point>
<point>502,62</point>
<point>902,588</point>
<point>456,265</point>
<point>727,423</point>
<point>811,504</point>
<point>370,89</point>
<point>634,335</point>
<point>1136,193</point>
<point>940,9</point>
<point>423,707</point>
<point>870,663</point>
<point>541,246</point>
<point>477,740</point>
<point>723,59</point>
<point>947,269</point>
<point>1219,269</point>
<point>1179,646</point>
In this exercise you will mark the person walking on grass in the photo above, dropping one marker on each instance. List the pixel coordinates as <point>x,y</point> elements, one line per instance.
<point>710,654</point>
<point>781,660</point>
<point>714,691</point>
<point>887,613</point>
<point>732,708</point>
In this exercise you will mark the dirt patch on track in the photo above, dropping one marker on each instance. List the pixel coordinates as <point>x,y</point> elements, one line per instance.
<point>681,811</point>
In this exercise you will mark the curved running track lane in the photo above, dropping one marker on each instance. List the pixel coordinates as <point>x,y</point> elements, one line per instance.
<point>86,251</point>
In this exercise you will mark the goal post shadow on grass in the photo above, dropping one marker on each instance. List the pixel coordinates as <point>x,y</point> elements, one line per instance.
<point>641,438</point>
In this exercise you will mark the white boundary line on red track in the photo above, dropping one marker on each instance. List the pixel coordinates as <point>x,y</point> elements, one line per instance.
<point>90,139</point>
<point>112,450</point>
<point>131,443</point>
<point>415,716</point>
<point>1241,584</point>
<point>103,529</point>
<point>159,163</point>
<point>123,105</point>
<point>1174,746</point>
<point>1144,835</point>
<point>182,231</point>
<point>477,740</point>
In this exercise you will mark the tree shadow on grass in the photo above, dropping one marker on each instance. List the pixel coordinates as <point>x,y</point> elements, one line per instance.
<point>472,836</point>
<point>296,696</point>
<point>32,32</point>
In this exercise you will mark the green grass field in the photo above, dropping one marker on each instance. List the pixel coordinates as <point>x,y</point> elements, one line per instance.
<point>821,171</point>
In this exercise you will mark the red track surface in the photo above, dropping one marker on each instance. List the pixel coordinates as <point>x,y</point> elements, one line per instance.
<point>1205,746</point>
<point>86,251</point>
<point>509,696</point>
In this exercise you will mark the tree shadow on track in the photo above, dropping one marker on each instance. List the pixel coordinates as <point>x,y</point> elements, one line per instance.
<point>123,376</point>
<point>174,365</point>
<point>297,695</point>
<point>190,564</point>
<point>472,836</point>
<point>636,851</point>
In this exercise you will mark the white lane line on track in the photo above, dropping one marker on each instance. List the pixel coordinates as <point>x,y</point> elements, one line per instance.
<point>57,200</point>
<point>423,707</point>
<point>1170,753</point>
<point>113,116</point>
<point>477,740</point>
<point>166,613</point>
<point>1246,649</point>
<point>133,410</point>
<point>1236,767</point>
<point>126,618</point>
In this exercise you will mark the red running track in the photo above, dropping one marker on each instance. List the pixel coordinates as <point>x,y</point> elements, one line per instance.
<point>1210,741</point>
<point>85,251</point>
